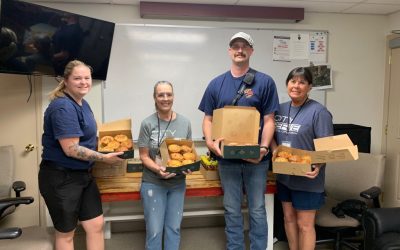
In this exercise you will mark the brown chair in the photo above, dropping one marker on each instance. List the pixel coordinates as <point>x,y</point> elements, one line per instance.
<point>360,179</point>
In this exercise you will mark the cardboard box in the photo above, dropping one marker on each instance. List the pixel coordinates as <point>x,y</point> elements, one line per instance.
<point>101,169</point>
<point>134,165</point>
<point>240,126</point>
<point>210,175</point>
<point>165,155</point>
<point>327,149</point>
<point>116,128</point>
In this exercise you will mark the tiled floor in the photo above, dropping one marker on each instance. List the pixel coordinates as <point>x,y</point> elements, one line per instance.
<point>203,238</point>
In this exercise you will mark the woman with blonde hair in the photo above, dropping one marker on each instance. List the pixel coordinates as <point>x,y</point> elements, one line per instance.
<point>69,150</point>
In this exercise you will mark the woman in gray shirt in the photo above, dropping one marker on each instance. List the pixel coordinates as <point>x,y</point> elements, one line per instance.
<point>162,193</point>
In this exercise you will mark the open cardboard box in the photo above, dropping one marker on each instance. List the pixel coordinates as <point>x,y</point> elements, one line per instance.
<point>327,149</point>
<point>165,155</point>
<point>117,128</point>
<point>239,126</point>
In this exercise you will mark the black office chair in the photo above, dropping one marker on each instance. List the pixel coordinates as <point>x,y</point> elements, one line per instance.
<point>8,206</point>
<point>34,237</point>
<point>382,228</point>
<point>360,180</point>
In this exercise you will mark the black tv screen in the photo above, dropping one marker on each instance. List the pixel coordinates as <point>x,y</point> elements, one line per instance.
<point>41,41</point>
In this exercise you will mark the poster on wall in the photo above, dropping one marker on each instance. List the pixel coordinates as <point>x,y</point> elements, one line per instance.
<point>299,43</point>
<point>280,51</point>
<point>318,47</point>
<point>322,76</point>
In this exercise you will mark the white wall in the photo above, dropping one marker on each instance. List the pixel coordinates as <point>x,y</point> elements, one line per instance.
<point>93,98</point>
<point>356,53</point>
<point>394,21</point>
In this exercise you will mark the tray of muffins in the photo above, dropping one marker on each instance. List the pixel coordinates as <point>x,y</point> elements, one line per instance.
<point>116,136</point>
<point>117,143</point>
<point>293,161</point>
<point>179,155</point>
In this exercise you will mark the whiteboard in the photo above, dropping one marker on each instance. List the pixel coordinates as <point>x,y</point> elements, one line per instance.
<point>188,57</point>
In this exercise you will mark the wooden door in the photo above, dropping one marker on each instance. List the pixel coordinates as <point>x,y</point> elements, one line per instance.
<point>19,127</point>
<point>392,171</point>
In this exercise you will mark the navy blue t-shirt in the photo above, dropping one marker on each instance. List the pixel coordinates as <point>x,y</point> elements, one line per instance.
<point>299,129</point>
<point>221,91</point>
<point>64,118</point>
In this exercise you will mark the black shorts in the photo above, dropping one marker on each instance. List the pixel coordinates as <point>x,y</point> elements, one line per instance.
<point>70,195</point>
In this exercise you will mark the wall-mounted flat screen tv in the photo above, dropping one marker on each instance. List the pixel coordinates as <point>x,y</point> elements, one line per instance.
<point>39,40</point>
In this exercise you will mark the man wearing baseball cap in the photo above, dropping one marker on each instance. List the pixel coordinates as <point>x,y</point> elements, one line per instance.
<point>242,86</point>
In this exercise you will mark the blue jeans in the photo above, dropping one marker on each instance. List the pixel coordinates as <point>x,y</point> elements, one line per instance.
<point>163,210</point>
<point>236,177</point>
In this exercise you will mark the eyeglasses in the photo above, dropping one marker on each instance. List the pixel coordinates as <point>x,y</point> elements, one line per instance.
<point>238,47</point>
<point>165,95</point>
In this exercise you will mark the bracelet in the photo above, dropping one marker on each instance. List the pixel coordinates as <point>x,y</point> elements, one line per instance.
<point>266,148</point>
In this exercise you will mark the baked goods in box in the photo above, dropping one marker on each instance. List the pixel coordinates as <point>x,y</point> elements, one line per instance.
<point>106,139</point>
<point>115,143</point>
<point>174,163</point>
<point>189,156</point>
<point>284,156</point>
<point>180,155</point>
<point>176,156</point>
<point>121,138</point>
<point>174,148</point>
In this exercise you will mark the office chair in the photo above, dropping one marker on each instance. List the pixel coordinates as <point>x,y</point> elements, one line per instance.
<point>5,205</point>
<point>7,175</point>
<point>34,237</point>
<point>360,179</point>
<point>382,228</point>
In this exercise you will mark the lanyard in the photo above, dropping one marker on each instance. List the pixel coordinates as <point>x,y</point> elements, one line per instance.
<point>159,129</point>
<point>290,106</point>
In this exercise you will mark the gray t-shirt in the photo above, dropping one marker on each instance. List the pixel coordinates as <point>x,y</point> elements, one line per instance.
<point>152,133</point>
<point>306,123</point>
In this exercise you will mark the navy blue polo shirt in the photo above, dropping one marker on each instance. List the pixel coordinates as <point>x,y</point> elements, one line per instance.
<point>64,118</point>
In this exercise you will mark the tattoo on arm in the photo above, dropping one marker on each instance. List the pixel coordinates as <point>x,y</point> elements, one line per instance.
<point>85,154</point>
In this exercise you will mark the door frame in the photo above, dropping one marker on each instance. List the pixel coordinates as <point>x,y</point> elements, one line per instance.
<point>386,92</point>
<point>38,88</point>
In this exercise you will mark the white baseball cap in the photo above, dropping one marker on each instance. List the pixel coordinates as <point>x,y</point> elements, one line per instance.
<point>244,36</point>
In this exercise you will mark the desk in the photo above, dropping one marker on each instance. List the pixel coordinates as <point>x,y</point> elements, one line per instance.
<point>127,188</point>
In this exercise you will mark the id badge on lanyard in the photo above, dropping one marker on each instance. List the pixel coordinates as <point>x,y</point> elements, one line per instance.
<point>286,143</point>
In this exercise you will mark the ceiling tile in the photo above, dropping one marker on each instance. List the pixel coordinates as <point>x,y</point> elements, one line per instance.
<point>189,1</point>
<point>131,2</point>
<point>309,6</point>
<point>382,9</point>
<point>383,1</point>
<point>267,2</point>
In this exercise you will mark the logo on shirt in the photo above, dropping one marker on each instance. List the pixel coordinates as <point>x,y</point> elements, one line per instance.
<point>248,93</point>
<point>155,135</point>
<point>281,125</point>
